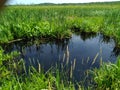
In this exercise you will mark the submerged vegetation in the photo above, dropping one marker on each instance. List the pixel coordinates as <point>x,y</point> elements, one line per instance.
<point>56,22</point>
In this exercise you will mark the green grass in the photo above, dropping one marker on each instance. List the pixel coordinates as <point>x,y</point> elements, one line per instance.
<point>57,22</point>
<point>14,76</point>
<point>108,76</point>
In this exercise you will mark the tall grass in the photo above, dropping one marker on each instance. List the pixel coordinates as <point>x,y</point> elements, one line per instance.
<point>56,22</point>
<point>108,76</point>
<point>14,76</point>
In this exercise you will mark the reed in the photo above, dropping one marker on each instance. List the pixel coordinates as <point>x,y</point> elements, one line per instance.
<point>58,22</point>
<point>107,76</point>
<point>74,64</point>
<point>95,58</point>
<point>55,78</point>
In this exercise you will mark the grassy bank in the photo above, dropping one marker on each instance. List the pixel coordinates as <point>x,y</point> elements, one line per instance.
<point>108,76</point>
<point>58,22</point>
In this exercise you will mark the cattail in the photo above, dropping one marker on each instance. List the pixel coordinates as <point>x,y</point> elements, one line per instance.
<point>49,87</point>
<point>101,62</point>
<point>95,58</point>
<point>24,67</point>
<point>79,87</point>
<point>88,59</point>
<point>67,52</point>
<point>14,65</point>
<point>64,57</point>
<point>39,67</point>
<point>71,71</point>
<point>87,72</point>
<point>67,55</point>
<point>74,63</point>
<point>101,51</point>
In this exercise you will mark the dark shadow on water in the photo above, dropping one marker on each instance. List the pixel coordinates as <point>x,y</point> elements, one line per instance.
<point>82,47</point>
<point>84,36</point>
<point>116,50</point>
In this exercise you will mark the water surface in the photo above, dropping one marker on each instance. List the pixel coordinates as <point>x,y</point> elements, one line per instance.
<point>82,47</point>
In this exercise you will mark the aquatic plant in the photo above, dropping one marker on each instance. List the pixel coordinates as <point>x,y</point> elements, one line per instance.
<point>56,22</point>
<point>13,75</point>
<point>107,76</point>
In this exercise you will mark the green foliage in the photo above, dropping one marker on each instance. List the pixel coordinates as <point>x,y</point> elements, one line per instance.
<point>5,35</point>
<point>33,80</point>
<point>87,24</point>
<point>108,76</point>
<point>5,63</point>
<point>56,22</point>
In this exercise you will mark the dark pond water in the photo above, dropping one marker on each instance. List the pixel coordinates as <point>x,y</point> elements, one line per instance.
<point>87,49</point>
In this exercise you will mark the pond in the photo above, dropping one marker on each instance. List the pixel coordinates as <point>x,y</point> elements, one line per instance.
<point>87,51</point>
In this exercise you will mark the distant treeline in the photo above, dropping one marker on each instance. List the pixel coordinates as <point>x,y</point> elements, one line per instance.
<point>91,3</point>
<point>52,4</point>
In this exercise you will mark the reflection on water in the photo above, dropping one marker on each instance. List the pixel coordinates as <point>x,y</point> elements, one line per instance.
<point>82,47</point>
<point>116,51</point>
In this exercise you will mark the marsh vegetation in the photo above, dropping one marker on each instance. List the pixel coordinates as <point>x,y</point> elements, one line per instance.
<point>74,34</point>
